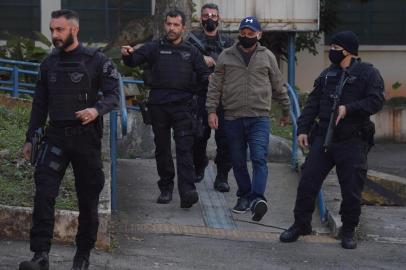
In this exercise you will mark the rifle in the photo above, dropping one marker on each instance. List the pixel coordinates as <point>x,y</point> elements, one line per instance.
<point>36,145</point>
<point>334,110</point>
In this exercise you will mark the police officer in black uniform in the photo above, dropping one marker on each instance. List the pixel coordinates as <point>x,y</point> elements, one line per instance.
<point>67,92</point>
<point>361,97</point>
<point>211,43</point>
<point>174,63</point>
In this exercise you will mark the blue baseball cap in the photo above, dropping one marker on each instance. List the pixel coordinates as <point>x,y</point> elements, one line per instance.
<point>250,22</point>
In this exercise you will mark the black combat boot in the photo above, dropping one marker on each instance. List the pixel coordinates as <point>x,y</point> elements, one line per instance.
<point>165,197</point>
<point>40,261</point>
<point>348,239</point>
<point>293,233</point>
<point>81,260</point>
<point>189,198</point>
<point>199,170</point>
<point>221,183</point>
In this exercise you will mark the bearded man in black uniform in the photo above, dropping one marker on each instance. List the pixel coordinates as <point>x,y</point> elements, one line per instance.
<point>175,66</point>
<point>70,82</point>
<point>211,42</point>
<point>362,95</point>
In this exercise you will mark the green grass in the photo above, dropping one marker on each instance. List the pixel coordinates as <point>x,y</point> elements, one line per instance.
<point>16,174</point>
<point>276,128</point>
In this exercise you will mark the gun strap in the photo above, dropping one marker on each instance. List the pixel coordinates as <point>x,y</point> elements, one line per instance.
<point>198,41</point>
<point>344,78</point>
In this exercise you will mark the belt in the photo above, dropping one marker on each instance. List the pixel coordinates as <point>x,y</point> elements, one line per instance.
<point>70,131</point>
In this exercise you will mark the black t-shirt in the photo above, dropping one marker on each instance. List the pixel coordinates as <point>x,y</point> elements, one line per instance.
<point>245,55</point>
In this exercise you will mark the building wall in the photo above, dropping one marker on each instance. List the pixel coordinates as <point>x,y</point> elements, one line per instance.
<point>390,61</point>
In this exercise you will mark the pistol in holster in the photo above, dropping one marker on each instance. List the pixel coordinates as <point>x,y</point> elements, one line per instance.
<point>145,112</point>
<point>197,118</point>
<point>37,141</point>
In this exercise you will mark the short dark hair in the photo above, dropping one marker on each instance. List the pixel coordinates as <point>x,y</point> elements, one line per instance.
<point>175,13</point>
<point>66,13</point>
<point>209,5</point>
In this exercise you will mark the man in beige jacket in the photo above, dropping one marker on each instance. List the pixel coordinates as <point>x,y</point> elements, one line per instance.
<point>245,79</point>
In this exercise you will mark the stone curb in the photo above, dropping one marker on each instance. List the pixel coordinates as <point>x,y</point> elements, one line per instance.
<point>15,223</point>
<point>393,183</point>
<point>332,195</point>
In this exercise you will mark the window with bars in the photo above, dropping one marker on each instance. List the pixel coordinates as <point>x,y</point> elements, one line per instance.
<point>102,20</point>
<point>20,17</point>
<point>375,22</point>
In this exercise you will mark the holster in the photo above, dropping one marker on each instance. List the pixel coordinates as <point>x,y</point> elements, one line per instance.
<point>36,142</point>
<point>146,114</point>
<point>368,132</point>
<point>197,120</point>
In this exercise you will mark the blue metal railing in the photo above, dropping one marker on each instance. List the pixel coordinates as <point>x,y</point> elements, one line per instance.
<point>295,113</point>
<point>12,67</point>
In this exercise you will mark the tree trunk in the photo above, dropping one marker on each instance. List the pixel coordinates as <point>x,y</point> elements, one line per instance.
<point>163,6</point>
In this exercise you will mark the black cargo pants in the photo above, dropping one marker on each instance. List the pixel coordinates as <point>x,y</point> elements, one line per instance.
<point>82,148</point>
<point>176,115</point>
<point>350,159</point>
<point>222,159</point>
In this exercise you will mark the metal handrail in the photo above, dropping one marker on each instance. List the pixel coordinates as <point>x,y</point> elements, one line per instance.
<point>123,108</point>
<point>15,78</point>
<point>295,113</point>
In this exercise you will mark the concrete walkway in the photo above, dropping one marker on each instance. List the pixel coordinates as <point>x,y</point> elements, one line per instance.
<point>208,236</point>
<point>138,192</point>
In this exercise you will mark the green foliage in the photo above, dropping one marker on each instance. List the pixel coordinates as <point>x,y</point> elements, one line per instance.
<point>396,102</point>
<point>276,128</point>
<point>24,49</point>
<point>277,42</point>
<point>396,85</point>
<point>16,175</point>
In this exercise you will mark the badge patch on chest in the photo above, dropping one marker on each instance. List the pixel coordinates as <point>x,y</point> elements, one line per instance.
<point>76,77</point>
<point>52,77</point>
<point>186,55</point>
<point>165,52</point>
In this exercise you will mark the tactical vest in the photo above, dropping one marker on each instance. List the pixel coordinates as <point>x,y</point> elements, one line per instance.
<point>353,90</point>
<point>69,88</point>
<point>173,68</point>
<point>330,81</point>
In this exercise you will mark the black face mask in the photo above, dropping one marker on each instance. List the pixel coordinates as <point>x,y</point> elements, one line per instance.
<point>336,56</point>
<point>210,25</point>
<point>247,42</point>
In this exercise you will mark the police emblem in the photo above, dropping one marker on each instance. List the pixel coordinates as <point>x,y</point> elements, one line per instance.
<point>76,77</point>
<point>186,55</point>
<point>52,77</point>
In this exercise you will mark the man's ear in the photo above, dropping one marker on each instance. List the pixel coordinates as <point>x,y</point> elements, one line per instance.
<point>346,53</point>
<point>259,35</point>
<point>75,30</point>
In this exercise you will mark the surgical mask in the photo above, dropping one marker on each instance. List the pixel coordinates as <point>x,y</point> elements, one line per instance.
<point>336,56</point>
<point>210,25</point>
<point>247,42</point>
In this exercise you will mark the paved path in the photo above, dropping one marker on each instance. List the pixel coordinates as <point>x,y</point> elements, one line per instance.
<point>388,158</point>
<point>208,236</point>
<point>139,191</point>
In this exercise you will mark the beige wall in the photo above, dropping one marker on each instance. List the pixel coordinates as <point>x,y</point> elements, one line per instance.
<point>390,60</point>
